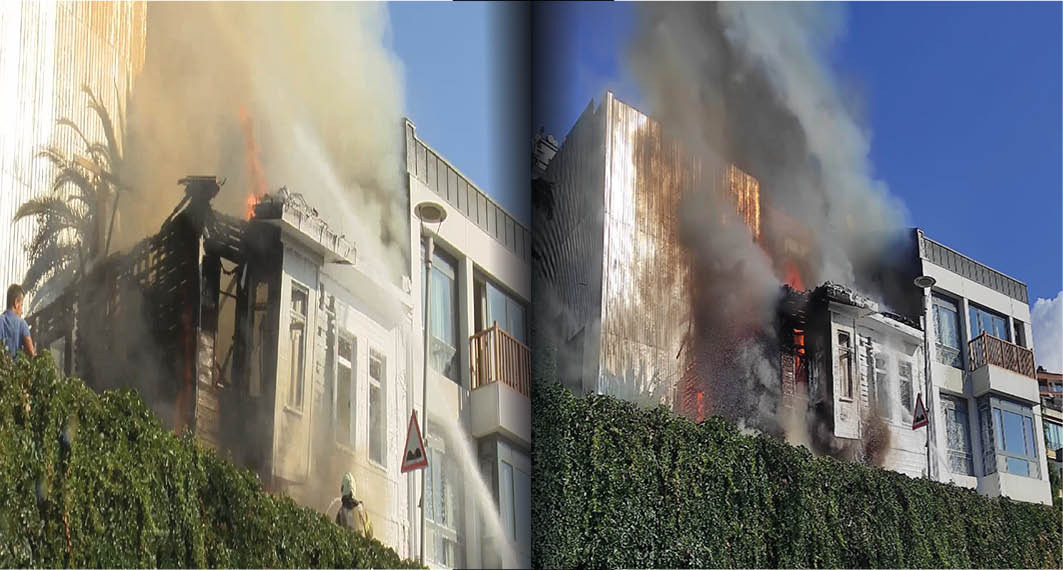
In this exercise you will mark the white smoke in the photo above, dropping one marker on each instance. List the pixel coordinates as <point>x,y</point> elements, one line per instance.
<point>324,96</point>
<point>1047,316</point>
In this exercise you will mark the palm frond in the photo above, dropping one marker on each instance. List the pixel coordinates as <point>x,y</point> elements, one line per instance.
<point>52,231</point>
<point>54,260</point>
<point>66,122</point>
<point>52,286</point>
<point>105,120</point>
<point>55,155</point>
<point>45,206</point>
<point>73,176</point>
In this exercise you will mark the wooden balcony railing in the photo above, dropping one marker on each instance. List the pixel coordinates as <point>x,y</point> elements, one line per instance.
<point>498,357</point>
<point>988,349</point>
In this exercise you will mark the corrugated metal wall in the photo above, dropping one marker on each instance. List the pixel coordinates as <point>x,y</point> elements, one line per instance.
<point>48,50</point>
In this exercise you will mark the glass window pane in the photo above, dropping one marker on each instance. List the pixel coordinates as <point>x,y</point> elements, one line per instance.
<point>1053,436</point>
<point>522,507</point>
<point>496,307</point>
<point>1018,466</point>
<point>505,498</point>
<point>343,404</point>
<point>998,429</point>
<point>515,311</point>
<point>1031,448</point>
<point>904,370</point>
<point>376,447</point>
<point>1014,441</point>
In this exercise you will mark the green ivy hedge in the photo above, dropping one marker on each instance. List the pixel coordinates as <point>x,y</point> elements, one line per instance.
<point>615,486</point>
<point>97,481</point>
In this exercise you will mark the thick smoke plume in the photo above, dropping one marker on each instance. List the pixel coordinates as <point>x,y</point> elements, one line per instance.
<point>314,85</point>
<point>307,96</point>
<point>749,84</point>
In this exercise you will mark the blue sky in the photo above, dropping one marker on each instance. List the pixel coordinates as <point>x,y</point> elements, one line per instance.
<point>962,100</point>
<point>459,59</point>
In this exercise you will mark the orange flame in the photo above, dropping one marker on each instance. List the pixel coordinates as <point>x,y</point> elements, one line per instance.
<point>254,165</point>
<point>793,276</point>
<point>745,190</point>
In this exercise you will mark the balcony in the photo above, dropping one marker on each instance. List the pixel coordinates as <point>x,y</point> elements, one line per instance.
<point>1000,366</point>
<point>501,385</point>
<point>498,357</point>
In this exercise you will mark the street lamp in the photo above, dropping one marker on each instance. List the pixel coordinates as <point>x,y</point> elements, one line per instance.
<point>926,282</point>
<point>429,213</point>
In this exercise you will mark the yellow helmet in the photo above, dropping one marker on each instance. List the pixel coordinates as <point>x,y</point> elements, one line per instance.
<point>347,487</point>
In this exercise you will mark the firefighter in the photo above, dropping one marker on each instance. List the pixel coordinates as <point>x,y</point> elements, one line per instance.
<point>352,514</point>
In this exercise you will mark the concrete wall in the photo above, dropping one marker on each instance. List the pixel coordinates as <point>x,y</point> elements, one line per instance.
<point>967,385</point>
<point>478,253</point>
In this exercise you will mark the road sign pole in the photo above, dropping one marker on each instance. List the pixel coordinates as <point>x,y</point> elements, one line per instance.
<point>424,381</point>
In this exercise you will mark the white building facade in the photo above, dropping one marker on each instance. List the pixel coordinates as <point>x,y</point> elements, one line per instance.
<point>987,406</point>
<point>479,407</point>
<point>349,376</point>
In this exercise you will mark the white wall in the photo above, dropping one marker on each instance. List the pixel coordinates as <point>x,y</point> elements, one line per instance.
<point>306,453</point>
<point>965,384</point>
<point>871,332</point>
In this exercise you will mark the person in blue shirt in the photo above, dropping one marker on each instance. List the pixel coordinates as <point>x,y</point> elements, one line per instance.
<point>14,332</point>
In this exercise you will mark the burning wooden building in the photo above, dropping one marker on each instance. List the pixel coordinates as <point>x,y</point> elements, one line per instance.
<point>250,332</point>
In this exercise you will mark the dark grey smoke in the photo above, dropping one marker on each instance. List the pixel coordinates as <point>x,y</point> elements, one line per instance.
<point>750,83</point>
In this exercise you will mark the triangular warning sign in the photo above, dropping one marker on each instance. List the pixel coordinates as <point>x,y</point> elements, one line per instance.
<point>919,416</point>
<point>413,453</point>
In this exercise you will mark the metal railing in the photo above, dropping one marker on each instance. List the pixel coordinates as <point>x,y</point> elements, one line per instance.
<point>988,349</point>
<point>498,357</point>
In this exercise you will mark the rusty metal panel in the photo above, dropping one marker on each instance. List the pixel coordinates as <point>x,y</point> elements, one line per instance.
<point>645,306</point>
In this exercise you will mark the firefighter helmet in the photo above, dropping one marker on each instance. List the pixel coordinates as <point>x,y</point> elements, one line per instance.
<point>347,488</point>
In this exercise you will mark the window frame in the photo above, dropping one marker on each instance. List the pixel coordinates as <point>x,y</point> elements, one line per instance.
<point>907,407</point>
<point>881,393</point>
<point>297,386</point>
<point>352,394</point>
<point>975,312</point>
<point>846,359</point>
<point>947,354</point>
<point>442,259</point>
<point>951,403</point>
<point>440,489</point>
<point>990,409</point>
<point>381,429</point>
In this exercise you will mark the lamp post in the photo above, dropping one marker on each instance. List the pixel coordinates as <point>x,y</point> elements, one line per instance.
<point>428,213</point>
<point>926,282</point>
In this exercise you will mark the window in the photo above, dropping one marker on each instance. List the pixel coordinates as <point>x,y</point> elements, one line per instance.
<point>1053,436</point>
<point>958,435</point>
<point>441,499</point>
<point>514,494</point>
<point>444,315</point>
<point>345,399</point>
<point>377,412</point>
<point>1020,333</point>
<point>845,365</point>
<point>506,311</point>
<point>1011,443</point>
<point>947,331</point>
<point>904,372</point>
<point>880,391</point>
<point>983,320</point>
<point>297,339</point>
<point>259,332</point>
<point>505,499</point>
